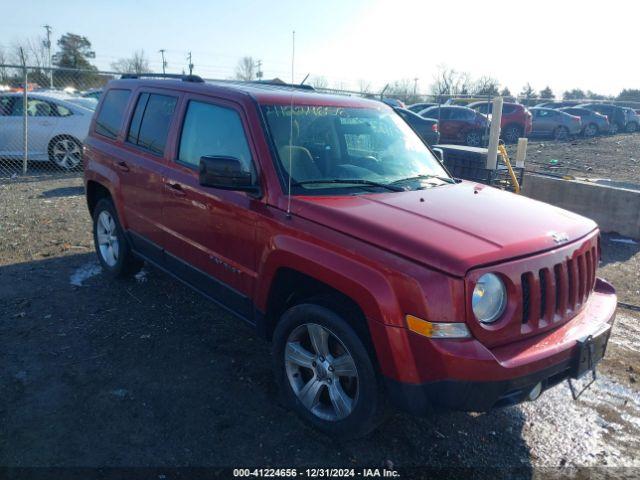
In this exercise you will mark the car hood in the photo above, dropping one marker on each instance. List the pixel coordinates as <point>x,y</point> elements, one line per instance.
<point>452,228</point>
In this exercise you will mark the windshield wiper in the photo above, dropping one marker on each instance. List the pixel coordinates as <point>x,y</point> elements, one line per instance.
<point>355,181</point>
<point>421,177</point>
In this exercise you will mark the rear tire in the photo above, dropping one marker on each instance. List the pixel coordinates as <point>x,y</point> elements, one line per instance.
<point>65,152</point>
<point>512,133</point>
<point>112,247</point>
<point>614,128</point>
<point>332,385</point>
<point>561,133</point>
<point>591,130</point>
<point>473,139</point>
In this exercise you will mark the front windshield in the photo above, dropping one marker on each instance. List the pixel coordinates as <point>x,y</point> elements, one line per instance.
<point>326,147</point>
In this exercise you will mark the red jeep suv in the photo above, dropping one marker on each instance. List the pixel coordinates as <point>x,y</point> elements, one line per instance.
<point>330,227</point>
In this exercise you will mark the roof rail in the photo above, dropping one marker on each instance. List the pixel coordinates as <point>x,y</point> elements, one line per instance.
<point>184,78</point>
<point>276,83</point>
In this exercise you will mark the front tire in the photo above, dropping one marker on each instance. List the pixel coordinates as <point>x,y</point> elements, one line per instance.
<point>114,252</point>
<point>632,127</point>
<point>561,133</point>
<point>325,373</point>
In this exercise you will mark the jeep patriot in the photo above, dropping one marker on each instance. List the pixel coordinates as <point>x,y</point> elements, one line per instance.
<point>326,224</point>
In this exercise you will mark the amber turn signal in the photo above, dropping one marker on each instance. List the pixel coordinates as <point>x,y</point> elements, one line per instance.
<point>437,329</point>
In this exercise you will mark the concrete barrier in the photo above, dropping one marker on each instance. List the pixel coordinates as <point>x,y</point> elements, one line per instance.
<point>614,208</point>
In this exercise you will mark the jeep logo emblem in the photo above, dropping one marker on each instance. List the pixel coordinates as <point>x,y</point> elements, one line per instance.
<point>559,237</point>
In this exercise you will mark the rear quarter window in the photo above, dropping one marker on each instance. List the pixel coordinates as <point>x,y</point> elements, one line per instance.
<point>151,122</point>
<point>111,114</point>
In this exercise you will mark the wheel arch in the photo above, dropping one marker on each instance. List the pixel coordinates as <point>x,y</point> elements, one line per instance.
<point>297,269</point>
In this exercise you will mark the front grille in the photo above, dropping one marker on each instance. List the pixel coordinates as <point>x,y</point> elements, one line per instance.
<point>557,292</point>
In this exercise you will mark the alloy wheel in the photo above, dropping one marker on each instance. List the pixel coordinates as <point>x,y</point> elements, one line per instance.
<point>473,139</point>
<point>512,134</point>
<point>66,153</point>
<point>106,234</point>
<point>321,372</point>
<point>590,130</point>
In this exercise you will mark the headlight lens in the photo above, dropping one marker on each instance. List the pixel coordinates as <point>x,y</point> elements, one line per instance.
<point>489,298</point>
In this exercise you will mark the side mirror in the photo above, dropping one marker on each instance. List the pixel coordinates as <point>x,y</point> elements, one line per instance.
<point>439,154</point>
<point>225,173</point>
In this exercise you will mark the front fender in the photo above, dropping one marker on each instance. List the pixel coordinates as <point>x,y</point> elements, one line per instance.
<point>366,286</point>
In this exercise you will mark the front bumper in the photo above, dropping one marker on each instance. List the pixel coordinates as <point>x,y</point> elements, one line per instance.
<point>465,375</point>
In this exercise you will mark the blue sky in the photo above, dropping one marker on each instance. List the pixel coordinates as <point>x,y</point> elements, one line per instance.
<point>563,44</point>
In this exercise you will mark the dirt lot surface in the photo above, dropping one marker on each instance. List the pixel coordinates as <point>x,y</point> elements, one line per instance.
<point>145,372</point>
<point>615,157</point>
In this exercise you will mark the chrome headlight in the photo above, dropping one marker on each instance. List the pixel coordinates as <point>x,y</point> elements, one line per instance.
<point>489,298</point>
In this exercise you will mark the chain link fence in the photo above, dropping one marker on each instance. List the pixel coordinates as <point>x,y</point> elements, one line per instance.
<point>44,118</point>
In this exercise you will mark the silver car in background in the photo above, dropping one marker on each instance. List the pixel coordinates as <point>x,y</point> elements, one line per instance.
<point>555,124</point>
<point>57,124</point>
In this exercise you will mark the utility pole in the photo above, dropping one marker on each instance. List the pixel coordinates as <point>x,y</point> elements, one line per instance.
<point>47,44</point>
<point>415,86</point>
<point>164,62</point>
<point>259,72</point>
<point>190,64</point>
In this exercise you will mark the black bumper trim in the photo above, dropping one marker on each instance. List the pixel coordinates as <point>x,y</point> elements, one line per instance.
<point>471,396</point>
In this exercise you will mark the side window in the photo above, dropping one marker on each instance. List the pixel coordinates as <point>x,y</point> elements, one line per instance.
<point>63,111</point>
<point>40,108</point>
<point>110,117</point>
<point>151,122</point>
<point>6,106</point>
<point>213,130</point>
<point>445,114</point>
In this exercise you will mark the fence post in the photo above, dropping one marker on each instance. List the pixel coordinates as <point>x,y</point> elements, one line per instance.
<point>25,126</point>
<point>494,133</point>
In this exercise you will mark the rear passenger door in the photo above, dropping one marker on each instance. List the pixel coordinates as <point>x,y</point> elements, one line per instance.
<point>141,164</point>
<point>211,232</point>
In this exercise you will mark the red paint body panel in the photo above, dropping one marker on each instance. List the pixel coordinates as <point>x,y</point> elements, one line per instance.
<point>414,252</point>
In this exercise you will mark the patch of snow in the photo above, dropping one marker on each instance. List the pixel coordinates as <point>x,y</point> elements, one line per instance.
<point>141,276</point>
<point>84,272</point>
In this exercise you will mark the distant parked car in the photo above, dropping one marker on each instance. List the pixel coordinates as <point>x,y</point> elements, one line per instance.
<point>426,128</point>
<point>93,93</point>
<point>593,123</point>
<point>556,124</point>
<point>459,124</point>
<point>617,116</point>
<point>56,125</point>
<point>565,103</point>
<point>633,120</point>
<point>516,119</point>
<point>417,107</point>
<point>394,102</point>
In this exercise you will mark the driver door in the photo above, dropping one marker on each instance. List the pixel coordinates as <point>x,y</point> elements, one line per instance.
<point>211,232</point>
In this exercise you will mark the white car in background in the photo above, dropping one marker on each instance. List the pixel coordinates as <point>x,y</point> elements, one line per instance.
<point>57,125</point>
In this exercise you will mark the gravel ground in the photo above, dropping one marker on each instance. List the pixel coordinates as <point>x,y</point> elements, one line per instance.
<point>615,157</point>
<point>145,372</point>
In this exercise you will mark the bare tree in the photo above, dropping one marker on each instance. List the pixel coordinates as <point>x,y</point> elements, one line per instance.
<point>448,82</point>
<point>137,63</point>
<point>486,86</point>
<point>318,81</point>
<point>246,69</point>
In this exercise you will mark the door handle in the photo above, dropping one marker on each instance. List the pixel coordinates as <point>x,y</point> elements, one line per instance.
<point>122,166</point>
<point>175,188</point>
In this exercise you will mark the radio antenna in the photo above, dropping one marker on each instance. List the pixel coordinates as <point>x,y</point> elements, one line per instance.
<point>293,58</point>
